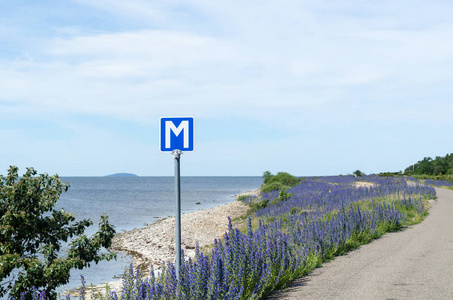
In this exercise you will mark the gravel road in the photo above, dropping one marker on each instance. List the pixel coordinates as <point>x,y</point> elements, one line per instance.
<point>416,263</point>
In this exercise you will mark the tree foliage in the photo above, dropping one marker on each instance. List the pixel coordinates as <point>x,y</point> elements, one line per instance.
<point>280,181</point>
<point>32,233</point>
<point>428,166</point>
<point>358,173</point>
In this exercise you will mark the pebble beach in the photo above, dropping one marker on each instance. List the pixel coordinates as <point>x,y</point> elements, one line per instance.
<point>155,243</point>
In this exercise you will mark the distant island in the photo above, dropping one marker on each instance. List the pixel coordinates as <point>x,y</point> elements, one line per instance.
<point>122,175</point>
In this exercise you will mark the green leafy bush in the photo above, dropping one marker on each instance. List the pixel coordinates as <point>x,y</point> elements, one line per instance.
<point>32,232</point>
<point>284,195</point>
<point>280,181</point>
<point>274,186</point>
<point>258,205</point>
<point>358,173</point>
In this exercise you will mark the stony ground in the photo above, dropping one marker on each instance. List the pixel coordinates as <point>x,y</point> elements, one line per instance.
<point>155,243</point>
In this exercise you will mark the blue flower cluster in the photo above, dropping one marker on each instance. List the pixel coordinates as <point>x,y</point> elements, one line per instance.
<point>439,183</point>
<point>296,231</point>
<point>320,197</point>
<point>35,295</point>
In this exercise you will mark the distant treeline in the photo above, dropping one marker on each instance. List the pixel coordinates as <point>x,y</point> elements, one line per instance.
<point>428,166</point>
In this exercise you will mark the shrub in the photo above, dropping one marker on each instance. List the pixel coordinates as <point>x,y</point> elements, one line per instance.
<point>358,173</point>
<point>274,186</point>
<point>32,232</point>
<point>281,180</point>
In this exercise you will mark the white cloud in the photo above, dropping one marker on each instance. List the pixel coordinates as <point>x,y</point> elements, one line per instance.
<point>291,65</point>
<point>132,7</point>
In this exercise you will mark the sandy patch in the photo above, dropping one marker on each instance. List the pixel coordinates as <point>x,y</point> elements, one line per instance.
<point>363,184</point>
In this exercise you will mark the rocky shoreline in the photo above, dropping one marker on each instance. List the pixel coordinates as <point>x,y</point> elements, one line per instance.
<point>155,243</point>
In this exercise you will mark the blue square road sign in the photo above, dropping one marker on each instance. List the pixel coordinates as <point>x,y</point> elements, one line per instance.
<point>176,133</point>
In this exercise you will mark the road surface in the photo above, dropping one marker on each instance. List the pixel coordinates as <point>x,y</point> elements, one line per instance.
<point>416,263</point>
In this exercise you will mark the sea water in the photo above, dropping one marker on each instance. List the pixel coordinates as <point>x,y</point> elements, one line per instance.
<point>134,202</point>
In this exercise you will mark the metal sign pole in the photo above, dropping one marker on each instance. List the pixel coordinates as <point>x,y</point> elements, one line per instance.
<point>177,154</point>
<point>177,135</point>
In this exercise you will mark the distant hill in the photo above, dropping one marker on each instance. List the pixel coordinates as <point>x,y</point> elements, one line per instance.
<point>122,175</point>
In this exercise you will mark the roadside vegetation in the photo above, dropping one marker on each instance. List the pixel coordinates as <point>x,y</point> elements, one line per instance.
<point>289,232</point>
<point>441,166</point>
<point>436,172</point>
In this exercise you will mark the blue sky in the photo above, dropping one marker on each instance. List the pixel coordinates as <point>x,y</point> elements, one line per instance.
<point>308,87</point>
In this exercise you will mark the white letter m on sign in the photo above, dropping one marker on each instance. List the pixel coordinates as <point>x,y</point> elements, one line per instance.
<point>170,126</point>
